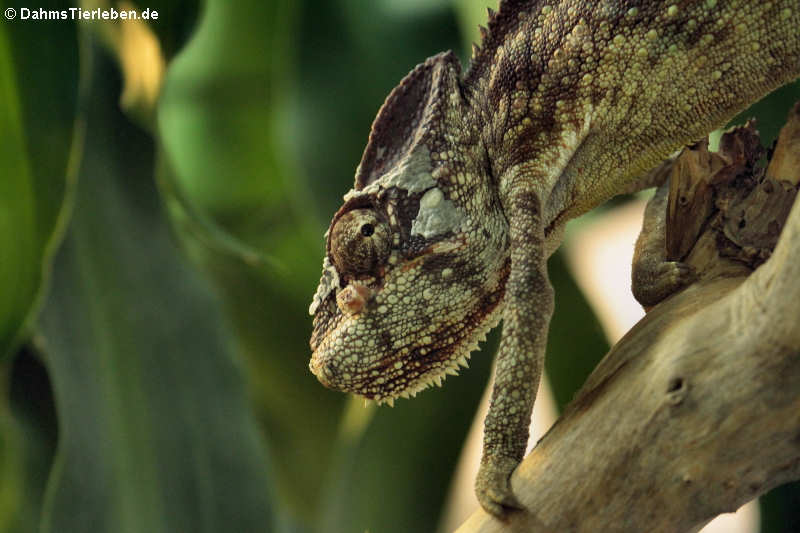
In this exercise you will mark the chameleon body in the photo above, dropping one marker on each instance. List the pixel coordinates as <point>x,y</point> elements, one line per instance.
<point>468,179</point>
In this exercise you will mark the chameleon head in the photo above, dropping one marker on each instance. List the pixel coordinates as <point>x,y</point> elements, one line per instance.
<point>396,311</point>
<point>413,275</point>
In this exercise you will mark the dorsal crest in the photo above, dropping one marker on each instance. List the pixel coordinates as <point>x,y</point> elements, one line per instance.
<point>411,115</point>
<point>502,23</point>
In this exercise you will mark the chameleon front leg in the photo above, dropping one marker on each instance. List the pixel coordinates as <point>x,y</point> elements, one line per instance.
<point>526,316</point>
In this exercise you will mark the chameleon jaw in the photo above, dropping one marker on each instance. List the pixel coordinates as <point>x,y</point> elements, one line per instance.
<point>435,375</point>
<point>452,365</point>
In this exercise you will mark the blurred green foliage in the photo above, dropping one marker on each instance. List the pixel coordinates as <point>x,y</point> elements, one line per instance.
<point>154,369</point>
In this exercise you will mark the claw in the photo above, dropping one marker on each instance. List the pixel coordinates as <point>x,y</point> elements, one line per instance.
<point>493,487</point>
<point>678,273</point>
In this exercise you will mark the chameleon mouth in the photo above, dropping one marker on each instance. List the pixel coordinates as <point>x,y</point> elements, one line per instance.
<point>391,376</point>
<point>448,367</point>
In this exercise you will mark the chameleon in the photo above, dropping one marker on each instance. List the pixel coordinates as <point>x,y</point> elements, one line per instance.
<point>468,179</point>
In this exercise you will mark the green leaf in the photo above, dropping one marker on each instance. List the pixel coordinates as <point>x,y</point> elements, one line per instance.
<point>37,107</point>
<point>39,134</point>
<point>19,239</point>
<point>155,430</point>
<point>241,217</point>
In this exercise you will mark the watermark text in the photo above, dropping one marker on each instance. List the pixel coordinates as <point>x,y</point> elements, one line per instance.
<point>77,13</point>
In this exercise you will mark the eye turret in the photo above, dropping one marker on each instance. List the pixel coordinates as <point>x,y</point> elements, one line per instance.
<point>360,242</point>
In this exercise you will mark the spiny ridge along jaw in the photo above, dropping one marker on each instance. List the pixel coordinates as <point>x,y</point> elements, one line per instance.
<point>448,367</point>
<point>434,377</point>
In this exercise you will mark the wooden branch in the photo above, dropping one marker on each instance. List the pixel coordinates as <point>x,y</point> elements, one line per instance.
<point>693,413</point>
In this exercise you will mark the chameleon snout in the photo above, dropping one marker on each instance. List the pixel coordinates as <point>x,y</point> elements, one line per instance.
<point>320,370</point>
<point>327,368</point>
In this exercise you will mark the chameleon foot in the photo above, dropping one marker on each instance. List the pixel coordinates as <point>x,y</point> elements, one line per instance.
<point>653,283</point>
<point>493,487</point>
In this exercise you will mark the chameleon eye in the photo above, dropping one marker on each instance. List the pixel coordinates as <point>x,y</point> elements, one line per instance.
<point>360,242</point>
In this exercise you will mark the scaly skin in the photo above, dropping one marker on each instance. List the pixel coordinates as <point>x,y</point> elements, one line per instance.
<point>466,184</point>
<point>653,276</point>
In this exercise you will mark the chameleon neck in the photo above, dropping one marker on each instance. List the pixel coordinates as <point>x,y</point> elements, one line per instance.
<point>582,100</point>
